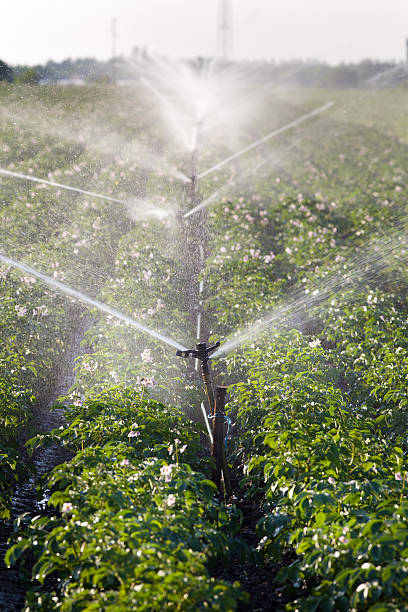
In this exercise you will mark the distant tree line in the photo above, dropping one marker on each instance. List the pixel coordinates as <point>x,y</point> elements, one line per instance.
<point>316,74</point>
<point>6,73</point>
<point>304,74</point>
<point>27,75</point>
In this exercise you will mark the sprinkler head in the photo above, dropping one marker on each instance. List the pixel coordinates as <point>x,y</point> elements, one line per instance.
<point>201,352</point>
<point>179,216</point>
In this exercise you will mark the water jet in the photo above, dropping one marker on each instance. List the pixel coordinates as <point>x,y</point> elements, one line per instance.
<point>261,141</point>
<point>28,177</point>
<point>54,284</point>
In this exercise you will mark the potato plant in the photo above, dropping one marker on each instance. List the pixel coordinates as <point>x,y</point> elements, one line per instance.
<point>332,477</point>
<point>71,238</point>
<point>315,244</point>
<point>134,526</point>
<point>311,230</point>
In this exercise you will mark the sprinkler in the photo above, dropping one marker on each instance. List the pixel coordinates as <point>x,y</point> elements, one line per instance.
<point>202,353</point>
<point>194,197</point>
<point>216,402</point>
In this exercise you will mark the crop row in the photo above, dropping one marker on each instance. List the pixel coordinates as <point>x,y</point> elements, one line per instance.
<point>134,526</point>
<point>320,415</point>
<point>320,411</point>
<point>329,463</point>
<point>71,238</point>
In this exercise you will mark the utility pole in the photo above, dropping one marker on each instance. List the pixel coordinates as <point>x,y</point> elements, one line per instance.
<point>114,37</point>
<point>224,32</point>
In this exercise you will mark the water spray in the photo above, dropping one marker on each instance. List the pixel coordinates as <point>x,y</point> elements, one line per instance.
<point>364,264</point>
<point>205,203</point>
<point>82,297</point>
<point>200,205</point>
<point>255,144</point>
<point>216,402</point>
<point>35,179</point>
<point>234,182</point>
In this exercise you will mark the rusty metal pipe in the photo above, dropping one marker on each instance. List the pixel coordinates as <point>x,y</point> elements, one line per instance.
<point>209,389</point>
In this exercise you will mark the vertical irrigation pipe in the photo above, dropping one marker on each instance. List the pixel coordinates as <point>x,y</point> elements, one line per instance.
<point>195,201</point>
<point>200,300</point>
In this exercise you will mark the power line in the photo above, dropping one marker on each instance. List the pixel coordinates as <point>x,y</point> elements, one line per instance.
<point>114,38</point>
<point>224,31</point>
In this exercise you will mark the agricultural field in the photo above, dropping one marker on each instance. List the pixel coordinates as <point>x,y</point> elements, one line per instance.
<point>295,260</point>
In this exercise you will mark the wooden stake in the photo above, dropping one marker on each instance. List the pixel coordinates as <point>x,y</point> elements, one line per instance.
<point>218,448</point>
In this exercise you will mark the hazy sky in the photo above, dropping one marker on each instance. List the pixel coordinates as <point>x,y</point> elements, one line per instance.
<point>33,31</point>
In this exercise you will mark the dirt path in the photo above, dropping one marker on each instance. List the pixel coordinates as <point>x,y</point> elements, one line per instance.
<point>12,584</point>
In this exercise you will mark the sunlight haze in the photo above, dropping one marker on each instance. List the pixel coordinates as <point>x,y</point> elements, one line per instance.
<point>335,31</point>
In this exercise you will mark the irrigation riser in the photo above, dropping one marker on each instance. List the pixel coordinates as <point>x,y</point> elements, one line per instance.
<point>216,402</point>
<point>194,241</point>
<point>194,232</point>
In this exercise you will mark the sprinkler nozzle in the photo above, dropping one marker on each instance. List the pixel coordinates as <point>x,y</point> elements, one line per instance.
<point>201,352</point>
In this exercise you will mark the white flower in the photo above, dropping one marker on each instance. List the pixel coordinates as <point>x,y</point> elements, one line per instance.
<point>29,279</point>
<point>20,310</point>
<point>331,480</point>
<point>398,476</point>
<point>41,311</point>
<point>133,434</point>
<point>67,507</point>
<point>145,381</point>
<point>146,356</point>
<point>269,258</point>
<point>171,500</point>
<point>90,366</point>
<point>166,471</point>
<point>125,462</point>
